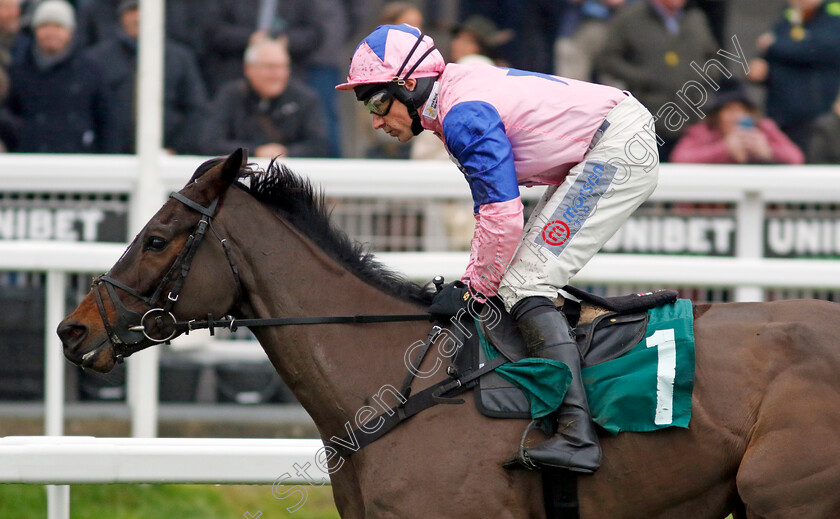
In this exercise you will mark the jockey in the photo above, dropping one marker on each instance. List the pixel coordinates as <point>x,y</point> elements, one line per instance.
<point>593,146</point>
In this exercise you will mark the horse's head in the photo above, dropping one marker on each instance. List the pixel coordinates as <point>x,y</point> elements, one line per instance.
<point>162,277</point>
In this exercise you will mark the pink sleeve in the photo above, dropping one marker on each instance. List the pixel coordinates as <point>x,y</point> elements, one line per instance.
<point>701,145</point>
<point>784,150</point>
<point>498,229</point>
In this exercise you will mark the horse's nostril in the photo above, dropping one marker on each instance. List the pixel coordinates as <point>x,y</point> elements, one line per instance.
<point>71,333</point>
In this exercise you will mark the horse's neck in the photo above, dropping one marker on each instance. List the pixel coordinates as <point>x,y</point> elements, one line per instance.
<point>333,369</point>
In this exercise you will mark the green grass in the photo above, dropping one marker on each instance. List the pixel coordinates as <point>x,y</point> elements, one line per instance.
<point>170,502</point>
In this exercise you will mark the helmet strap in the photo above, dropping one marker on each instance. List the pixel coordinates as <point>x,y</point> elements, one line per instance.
<point>408,57</point>
<point>408,98</point>
<point>416,125</point>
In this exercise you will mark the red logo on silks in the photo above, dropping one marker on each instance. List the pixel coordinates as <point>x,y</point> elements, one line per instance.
<point>556,232</point>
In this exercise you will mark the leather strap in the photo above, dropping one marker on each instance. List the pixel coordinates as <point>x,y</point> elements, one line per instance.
<point>233,324</point>
<point>440,393</point>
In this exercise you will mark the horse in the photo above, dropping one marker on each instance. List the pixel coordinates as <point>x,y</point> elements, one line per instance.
<point>764,436</point>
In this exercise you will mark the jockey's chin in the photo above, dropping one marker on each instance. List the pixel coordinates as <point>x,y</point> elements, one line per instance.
<point>401,134</point>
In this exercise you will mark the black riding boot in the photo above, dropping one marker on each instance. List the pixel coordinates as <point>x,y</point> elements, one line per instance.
<point>547,335</point>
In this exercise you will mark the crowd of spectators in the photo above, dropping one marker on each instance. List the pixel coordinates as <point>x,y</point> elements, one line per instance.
<point>260,73</point>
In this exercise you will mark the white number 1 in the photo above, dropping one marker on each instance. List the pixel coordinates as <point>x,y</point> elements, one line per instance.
<point>666,369</point>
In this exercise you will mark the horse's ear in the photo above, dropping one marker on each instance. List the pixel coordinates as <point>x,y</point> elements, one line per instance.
<point>233,164</point>
<point>217,175</point>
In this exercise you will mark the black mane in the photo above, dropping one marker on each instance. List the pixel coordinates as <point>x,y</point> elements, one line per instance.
<point>294,198</point>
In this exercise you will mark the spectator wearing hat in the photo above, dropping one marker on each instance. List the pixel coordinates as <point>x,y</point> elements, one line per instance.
<point>268,111</point>
<point>57,95</point>
<point>823,148</point>
<point>184,94</point>
<point>734,132</point>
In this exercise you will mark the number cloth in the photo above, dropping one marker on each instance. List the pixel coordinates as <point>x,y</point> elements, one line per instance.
<point>646,389</point>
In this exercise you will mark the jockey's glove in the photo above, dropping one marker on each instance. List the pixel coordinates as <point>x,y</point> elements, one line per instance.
<point>453,298</point>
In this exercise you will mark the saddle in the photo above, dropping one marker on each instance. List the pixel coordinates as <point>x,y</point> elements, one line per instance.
<point>605,329</point>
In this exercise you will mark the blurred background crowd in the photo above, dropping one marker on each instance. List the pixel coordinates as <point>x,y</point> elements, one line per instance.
<point>730,81</point>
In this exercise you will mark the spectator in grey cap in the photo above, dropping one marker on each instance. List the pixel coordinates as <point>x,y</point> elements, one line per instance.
<point>54,23</point>
<point>57,95</point>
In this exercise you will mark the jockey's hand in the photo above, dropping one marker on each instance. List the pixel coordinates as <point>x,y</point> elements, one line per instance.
<point>450,300</point>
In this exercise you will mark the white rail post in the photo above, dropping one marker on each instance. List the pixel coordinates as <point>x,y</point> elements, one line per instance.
<point>147,197</point>
<point>749,244</point>
<point>58,496</point>
<point>54,358</point>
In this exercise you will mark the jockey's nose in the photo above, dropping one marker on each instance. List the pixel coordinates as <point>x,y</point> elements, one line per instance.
<point>378,121</point>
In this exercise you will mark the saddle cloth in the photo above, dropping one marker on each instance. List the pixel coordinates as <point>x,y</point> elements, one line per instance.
<point>638,365</point>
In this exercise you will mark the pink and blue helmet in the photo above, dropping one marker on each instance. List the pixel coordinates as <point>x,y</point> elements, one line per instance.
<point>393,53</point>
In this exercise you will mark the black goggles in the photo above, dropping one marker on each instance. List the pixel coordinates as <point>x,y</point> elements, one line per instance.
<point>380,102</point>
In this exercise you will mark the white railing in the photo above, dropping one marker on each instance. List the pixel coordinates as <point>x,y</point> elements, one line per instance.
<point>66,460</point>
<point>748,187</point>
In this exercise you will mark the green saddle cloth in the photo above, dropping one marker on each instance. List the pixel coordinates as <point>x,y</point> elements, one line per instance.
<point>646,389</point>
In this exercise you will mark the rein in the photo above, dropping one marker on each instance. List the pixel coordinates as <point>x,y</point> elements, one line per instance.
<point>133,332</point>
<point>233,324</point>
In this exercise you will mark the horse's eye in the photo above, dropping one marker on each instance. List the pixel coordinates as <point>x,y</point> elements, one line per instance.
<point>155,243</point>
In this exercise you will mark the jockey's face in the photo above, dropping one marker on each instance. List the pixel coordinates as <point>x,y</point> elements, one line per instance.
<point>397,122</point>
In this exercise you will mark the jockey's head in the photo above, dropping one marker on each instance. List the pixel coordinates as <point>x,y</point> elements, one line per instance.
<point>394,62</point>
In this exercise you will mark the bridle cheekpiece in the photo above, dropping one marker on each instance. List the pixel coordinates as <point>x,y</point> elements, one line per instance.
<point>132,329</point>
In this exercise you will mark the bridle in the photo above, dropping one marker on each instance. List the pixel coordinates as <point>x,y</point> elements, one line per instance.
<point>131,329</point>
<point>133,332</point>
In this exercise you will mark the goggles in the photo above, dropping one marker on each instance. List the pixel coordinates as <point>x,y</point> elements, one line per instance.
<point>380,103</point>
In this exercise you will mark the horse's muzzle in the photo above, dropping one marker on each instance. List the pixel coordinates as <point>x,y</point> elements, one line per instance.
<point>98,358</point>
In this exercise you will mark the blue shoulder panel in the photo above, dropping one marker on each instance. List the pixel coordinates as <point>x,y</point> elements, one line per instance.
<point>475,135</point>
<point>377,39</point>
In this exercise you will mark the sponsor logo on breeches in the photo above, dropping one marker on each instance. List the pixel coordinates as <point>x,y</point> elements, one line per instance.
<point>576,207</point>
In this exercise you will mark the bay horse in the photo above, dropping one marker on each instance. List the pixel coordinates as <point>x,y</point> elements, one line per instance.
<point>763,441</point>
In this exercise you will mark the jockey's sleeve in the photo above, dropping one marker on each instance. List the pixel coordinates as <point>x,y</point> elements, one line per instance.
<point>475,136</point>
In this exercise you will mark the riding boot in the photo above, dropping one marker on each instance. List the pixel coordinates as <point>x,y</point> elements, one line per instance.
<point>547,335</point>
